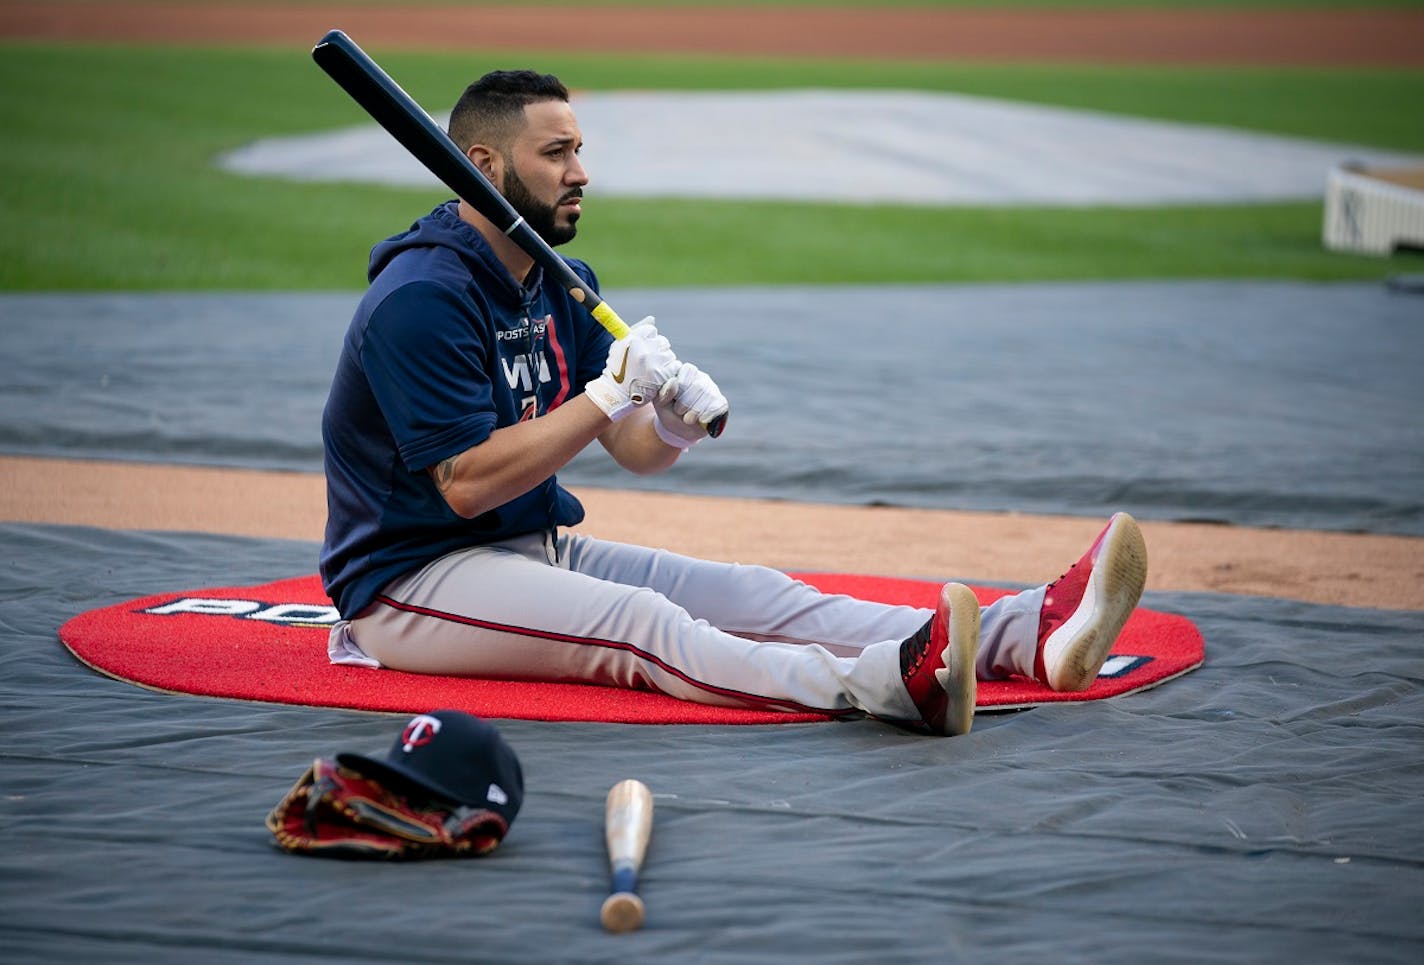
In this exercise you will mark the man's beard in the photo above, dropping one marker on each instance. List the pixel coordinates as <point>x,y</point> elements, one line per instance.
<point>538,215</point>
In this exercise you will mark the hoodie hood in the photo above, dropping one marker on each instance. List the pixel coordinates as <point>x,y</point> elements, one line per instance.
<point>443,228</point>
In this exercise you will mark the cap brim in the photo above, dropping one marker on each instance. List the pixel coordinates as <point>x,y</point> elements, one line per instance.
<point>400,778</point>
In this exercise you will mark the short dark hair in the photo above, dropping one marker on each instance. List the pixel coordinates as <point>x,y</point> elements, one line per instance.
<point>487,111</point>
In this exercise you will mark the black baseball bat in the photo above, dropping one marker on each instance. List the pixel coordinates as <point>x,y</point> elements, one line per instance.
<point>405,120</point>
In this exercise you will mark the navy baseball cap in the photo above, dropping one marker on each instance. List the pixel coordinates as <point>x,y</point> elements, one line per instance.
<point>454,756</point>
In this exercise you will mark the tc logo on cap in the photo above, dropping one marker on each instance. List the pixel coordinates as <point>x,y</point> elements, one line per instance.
<point>420,731</point>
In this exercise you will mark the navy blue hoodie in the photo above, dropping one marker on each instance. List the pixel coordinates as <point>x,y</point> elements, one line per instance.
<point>444,348</point>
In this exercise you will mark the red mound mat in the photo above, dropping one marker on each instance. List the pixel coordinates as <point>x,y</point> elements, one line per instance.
<point>268,642</point>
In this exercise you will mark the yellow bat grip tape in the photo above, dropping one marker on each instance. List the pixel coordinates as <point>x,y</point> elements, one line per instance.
<point>609,319</point>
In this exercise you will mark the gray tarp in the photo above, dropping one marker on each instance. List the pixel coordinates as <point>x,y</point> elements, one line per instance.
<point>872,147</point>
<point>1266,807</point>
<point>1264,403</point>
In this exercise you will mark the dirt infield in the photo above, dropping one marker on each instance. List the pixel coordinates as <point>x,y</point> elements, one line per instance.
<point>1217,37</point>
<point>1385,572</point>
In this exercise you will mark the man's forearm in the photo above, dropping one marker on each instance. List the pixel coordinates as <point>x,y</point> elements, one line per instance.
<point>634,444</point>
<point>515,459</point>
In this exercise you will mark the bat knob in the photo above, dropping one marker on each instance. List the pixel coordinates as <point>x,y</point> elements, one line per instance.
<point>622,912</point>
<point>642,390</point>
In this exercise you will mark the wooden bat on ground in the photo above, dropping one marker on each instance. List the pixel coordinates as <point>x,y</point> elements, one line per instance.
<point>627,825</point>
<point>408,123</point>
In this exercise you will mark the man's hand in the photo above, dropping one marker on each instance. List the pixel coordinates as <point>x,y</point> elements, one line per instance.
<point>685,405</point>
<point>638,366</point>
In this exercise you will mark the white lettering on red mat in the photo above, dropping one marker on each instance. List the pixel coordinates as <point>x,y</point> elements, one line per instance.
<point>284,614</point>
<point>1122,664</point>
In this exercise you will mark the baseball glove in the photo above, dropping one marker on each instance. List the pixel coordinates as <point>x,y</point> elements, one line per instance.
<point>337,812</point>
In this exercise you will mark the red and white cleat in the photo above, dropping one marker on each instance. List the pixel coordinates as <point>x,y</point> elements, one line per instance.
<point>937,663</point>
<point>1084,610</point>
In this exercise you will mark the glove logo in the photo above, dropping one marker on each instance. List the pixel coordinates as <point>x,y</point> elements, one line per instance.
<point>622,369</point>
<point>420,731</point>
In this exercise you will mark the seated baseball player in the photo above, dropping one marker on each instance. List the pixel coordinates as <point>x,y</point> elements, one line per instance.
<point>467,380</point>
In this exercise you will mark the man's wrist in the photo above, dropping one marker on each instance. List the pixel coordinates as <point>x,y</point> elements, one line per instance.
<point>670,436</point>
<point>612,400</point>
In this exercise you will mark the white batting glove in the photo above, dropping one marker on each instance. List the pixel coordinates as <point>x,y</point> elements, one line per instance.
<point>685,405</point>
<point>638,365</point>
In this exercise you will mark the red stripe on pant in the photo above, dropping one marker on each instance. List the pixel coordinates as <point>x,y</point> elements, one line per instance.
<point>752,700</point>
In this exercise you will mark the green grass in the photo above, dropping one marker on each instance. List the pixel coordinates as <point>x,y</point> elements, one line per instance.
<point>685,244</point>
<point>107,180</point>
